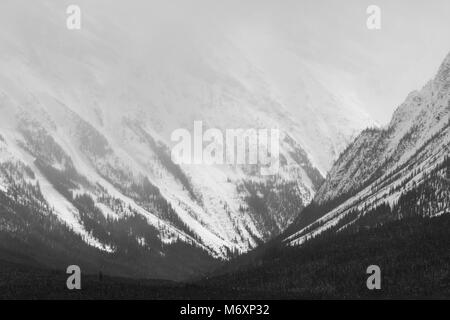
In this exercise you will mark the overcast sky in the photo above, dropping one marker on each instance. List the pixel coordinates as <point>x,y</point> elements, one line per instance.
<point>382,65</point>
<point>386,64</point>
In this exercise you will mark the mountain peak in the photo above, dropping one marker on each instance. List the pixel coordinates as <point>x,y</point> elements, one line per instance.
<point>443,74</point>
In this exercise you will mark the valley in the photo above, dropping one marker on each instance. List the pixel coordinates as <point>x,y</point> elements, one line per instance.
<point>117,154</point>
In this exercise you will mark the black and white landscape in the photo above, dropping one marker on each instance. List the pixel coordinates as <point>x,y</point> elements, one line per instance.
<point>87,177</point>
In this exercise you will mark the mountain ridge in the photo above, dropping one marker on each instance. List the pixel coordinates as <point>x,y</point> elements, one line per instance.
<point>90,113</point>
<point>371,170</point>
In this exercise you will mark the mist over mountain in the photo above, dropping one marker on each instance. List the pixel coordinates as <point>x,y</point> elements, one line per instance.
<point>86,118</point>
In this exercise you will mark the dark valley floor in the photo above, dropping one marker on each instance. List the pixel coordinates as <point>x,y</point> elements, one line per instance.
<point>413,255</point>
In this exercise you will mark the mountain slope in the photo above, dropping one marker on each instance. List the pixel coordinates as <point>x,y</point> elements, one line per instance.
<point>382,166</point>
<point>90,114</point>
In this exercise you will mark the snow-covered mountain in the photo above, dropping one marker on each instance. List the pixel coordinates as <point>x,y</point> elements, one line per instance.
<point>391,172</point>
<point>86,118</point>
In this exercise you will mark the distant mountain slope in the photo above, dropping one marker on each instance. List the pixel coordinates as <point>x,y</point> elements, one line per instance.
<point>408,158</point>
<point>87,116</point>
<point>33,234</point>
